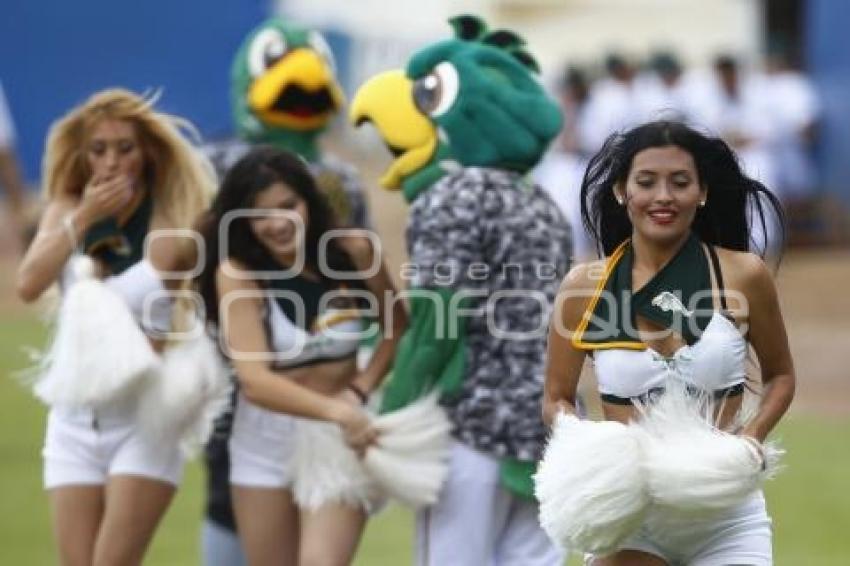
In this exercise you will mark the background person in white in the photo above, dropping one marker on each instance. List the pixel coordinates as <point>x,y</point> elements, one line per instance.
<point>735,107</point>
<point>562,168</point>
<point>10,175</point>
<point>614,102</point>
<point>794,110</point>
<point>665,90</point>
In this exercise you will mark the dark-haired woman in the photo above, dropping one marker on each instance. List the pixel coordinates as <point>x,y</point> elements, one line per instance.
<point>668,206</point>
<point>267,284</point>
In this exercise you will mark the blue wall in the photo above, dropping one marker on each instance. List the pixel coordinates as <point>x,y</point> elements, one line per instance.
<point>828,53</point>
<point>55,53</point>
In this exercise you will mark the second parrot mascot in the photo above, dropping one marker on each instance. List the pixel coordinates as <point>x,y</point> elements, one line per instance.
<point>284,92</point>
<point>488,248</point>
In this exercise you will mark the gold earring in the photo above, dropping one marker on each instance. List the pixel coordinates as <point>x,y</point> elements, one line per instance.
<point>702,204</point>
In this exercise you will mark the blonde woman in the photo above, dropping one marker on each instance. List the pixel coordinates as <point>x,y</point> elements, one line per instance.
<point>114,170</point>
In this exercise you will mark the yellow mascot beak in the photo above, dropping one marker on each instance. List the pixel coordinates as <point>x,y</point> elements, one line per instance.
<point>299,92</point>
<point>386,100</point>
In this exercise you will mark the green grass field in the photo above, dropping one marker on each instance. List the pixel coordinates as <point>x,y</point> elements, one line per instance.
<point>809,501</point>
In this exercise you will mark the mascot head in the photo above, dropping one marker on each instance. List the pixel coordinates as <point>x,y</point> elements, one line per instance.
<point>473,100</point>
<point>284,89</point>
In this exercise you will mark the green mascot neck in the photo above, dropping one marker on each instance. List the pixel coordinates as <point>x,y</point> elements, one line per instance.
<point>304,144</point>
<point>416,183</point>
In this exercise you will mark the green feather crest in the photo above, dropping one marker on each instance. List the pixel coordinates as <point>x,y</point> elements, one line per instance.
<point>472,28</point>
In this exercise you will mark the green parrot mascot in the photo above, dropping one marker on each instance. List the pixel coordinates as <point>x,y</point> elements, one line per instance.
<point>466,122</point>
<point>284,93</point>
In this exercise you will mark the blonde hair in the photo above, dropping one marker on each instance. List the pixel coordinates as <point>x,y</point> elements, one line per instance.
<point>181,179</point>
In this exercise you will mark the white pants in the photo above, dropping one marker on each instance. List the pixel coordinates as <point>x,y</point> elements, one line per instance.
<point>220,546</point>
<point>85,446</point>
<point>738,536</point>
<point>477,522</point>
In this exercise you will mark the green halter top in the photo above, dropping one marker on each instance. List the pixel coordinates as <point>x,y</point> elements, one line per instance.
<point>119,241</point>
<point>678,297</point>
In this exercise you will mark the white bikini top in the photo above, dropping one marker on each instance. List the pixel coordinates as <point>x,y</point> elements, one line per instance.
<point>334,335</point>
<point>714,363</point>
<point>139,285</point>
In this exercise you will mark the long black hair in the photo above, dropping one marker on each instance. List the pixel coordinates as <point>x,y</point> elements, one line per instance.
<point>734,202</point>
<point>258,170</point>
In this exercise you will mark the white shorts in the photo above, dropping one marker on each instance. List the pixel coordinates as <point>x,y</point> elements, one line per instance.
<point>86,446</point>
<point>739,536</point>
<point>261,447</point>
<point>478,521</point>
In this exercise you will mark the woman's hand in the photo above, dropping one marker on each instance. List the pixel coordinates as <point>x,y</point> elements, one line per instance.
<point>757,447</point>
<point>105,197</point>
<point>348,395</point>
<point>356,426</point>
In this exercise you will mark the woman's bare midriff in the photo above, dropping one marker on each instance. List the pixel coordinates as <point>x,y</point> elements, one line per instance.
<point>626,413</point>
<point>328,378</point>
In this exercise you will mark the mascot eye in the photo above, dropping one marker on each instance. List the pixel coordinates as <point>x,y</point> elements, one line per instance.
<point>435,93</point>
<point>266,49</point>
<point>320,45</point>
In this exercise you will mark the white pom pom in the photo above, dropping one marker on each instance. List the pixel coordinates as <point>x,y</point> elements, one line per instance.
<point>98,352</point>
<point>590,485</point>
<point>326,470</point>
<point>82,268</point>
<point>410,459</point>
<point>408,462</point>
<point>692,466</point>
<point>181,402</point>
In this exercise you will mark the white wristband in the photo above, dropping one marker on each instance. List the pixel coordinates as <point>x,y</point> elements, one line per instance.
<point>68,225</point>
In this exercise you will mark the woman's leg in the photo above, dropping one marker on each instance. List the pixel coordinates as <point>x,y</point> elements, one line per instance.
<point>267,519</point>
<point>330,535</point>
<point>134,507</point>
<point>76,513</point>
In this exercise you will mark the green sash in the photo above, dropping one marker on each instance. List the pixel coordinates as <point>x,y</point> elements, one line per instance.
<point>118,242</point>
<point>675,298</point>
<point>309,291</point>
